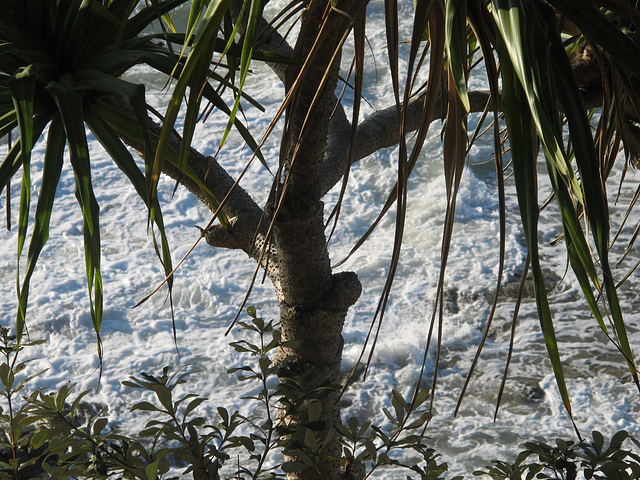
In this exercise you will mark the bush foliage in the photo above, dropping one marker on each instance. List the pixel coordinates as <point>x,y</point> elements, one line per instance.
<point>58,435</point>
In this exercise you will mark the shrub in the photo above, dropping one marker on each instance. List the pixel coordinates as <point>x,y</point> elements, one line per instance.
<point>55,435</point>
<point>567,459</point>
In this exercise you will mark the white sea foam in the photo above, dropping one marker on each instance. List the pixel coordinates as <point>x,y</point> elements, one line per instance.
<point>211,284</point>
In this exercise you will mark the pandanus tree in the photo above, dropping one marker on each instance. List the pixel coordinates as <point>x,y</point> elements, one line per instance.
<point>549,66</point>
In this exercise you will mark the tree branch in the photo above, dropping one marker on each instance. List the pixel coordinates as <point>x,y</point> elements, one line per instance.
<point>243,212</point>
<point>380,130</point>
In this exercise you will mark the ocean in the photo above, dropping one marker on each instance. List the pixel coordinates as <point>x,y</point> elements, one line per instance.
<point>210,285</point>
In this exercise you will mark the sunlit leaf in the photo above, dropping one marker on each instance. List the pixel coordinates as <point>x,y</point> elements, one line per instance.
<point>524,157</point>
<point>456,46</point>
<point>206,33</point>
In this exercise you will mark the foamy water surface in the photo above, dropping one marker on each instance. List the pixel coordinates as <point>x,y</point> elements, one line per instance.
<point>211,284</point>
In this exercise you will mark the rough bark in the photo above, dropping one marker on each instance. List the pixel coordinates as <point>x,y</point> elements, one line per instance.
<point>313,301</point>
<point>313,307</point>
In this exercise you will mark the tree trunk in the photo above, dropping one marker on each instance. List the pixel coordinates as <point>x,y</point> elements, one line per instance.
<point>313,301</point>
<point>313,306</point>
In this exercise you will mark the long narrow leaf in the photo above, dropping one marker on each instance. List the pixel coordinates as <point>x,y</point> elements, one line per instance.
<point>599,29</point>
<point>142,19</point>
<point>22,88</point>
<point>134,94</point>
<point>10,165</point>
<point>481,22</point>
<point>255,15</point>
<point>124,160</point>
<point>595,202</point>
<point>199,78</point>
<point>206,34</point>
<point>521,140</point>
<point>455,45</point>
<point>69,103</point>
<point>53,161</point>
